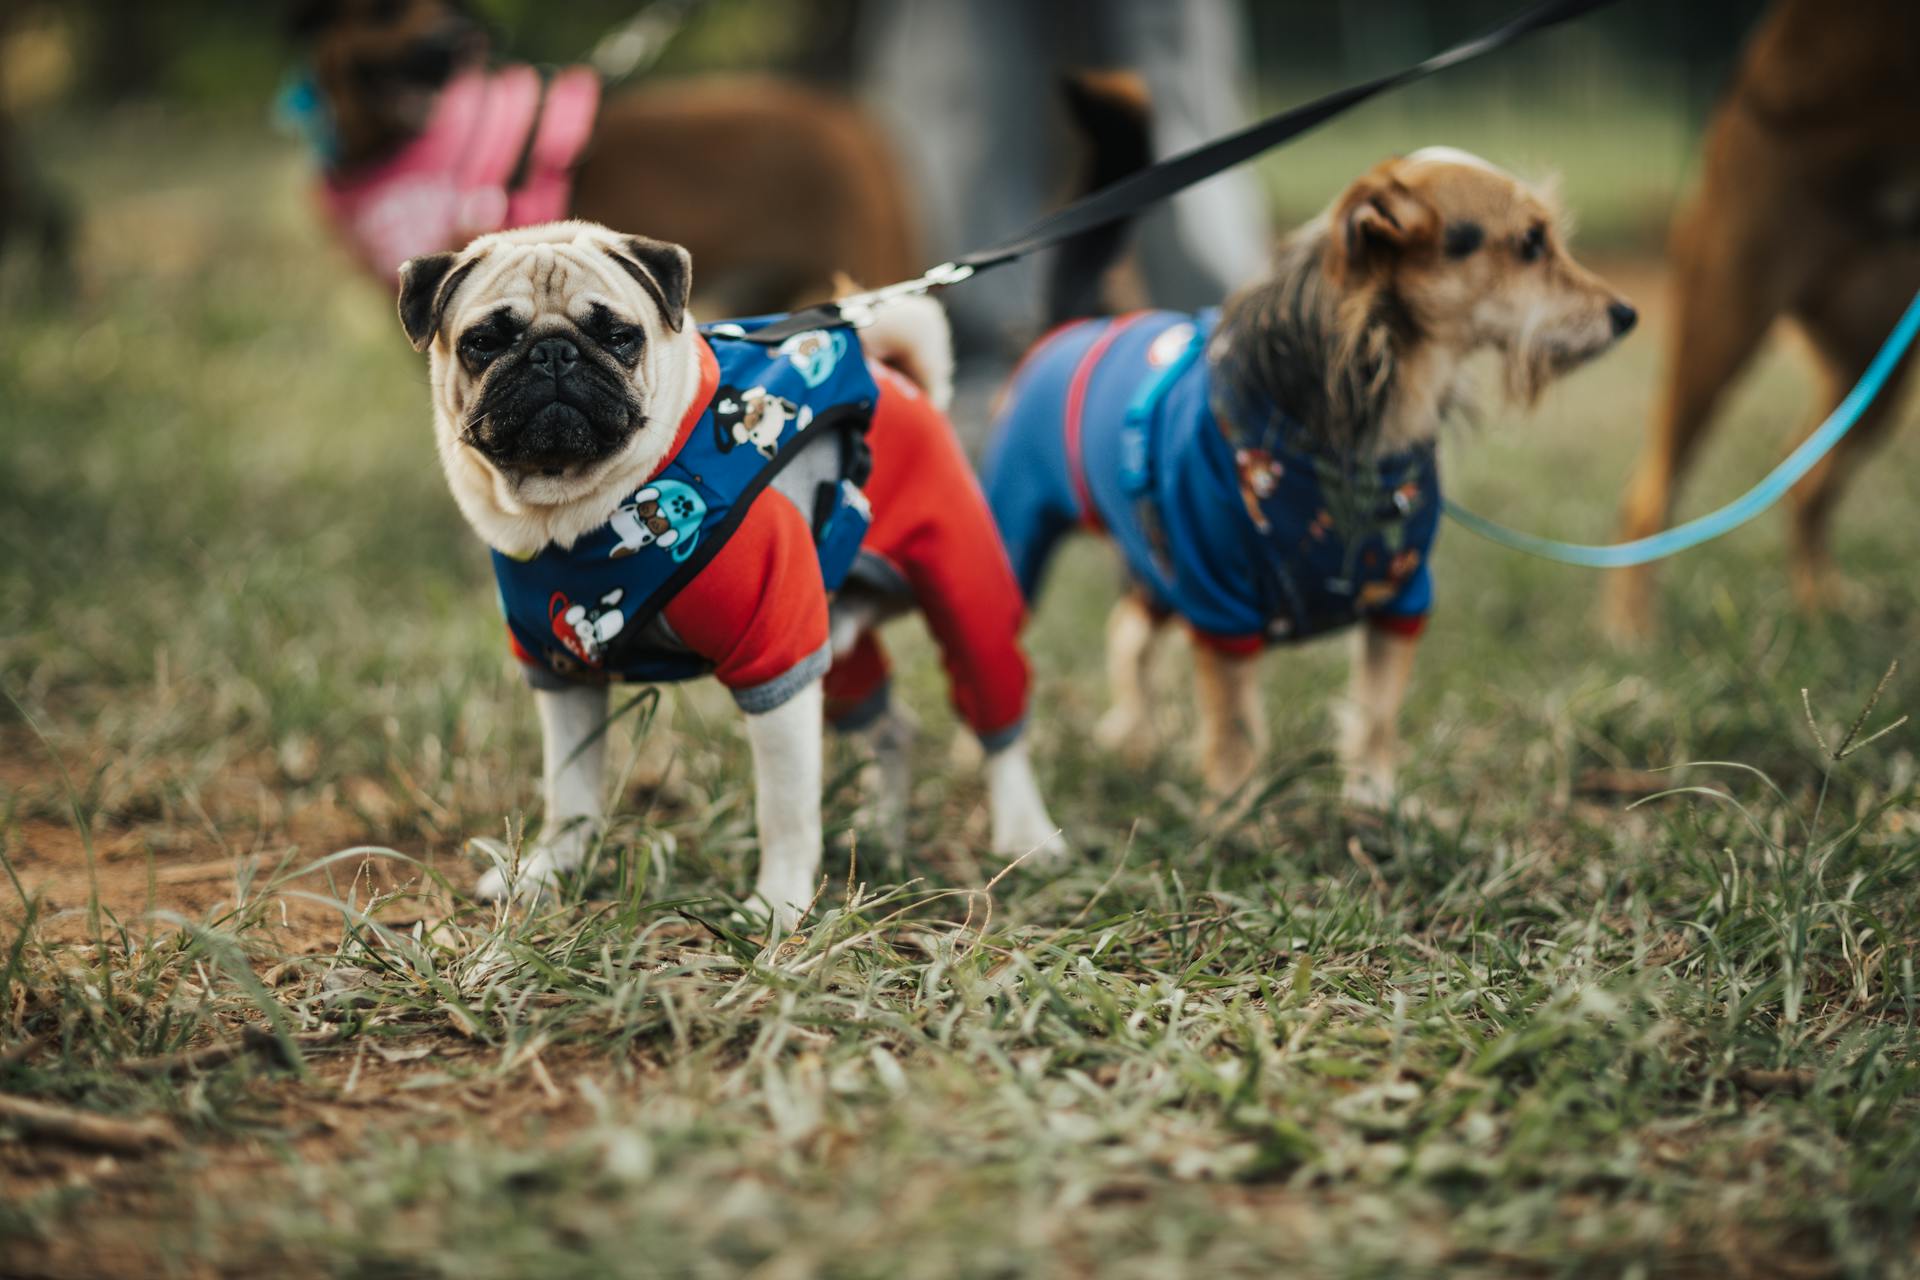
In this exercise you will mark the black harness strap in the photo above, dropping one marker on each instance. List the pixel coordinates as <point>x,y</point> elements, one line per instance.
<point>839,422</point>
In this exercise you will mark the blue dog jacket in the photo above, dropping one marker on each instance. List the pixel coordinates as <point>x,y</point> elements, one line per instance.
<point>589,611</point>
<point>1224,514</point>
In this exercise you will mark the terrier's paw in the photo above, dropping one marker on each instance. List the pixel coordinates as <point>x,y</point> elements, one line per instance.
<point>1124,732</point>
<point>1378,792</point>
<point>1367,789</point>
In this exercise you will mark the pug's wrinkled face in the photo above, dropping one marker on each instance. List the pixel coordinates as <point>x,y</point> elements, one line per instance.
<point>549,345</point>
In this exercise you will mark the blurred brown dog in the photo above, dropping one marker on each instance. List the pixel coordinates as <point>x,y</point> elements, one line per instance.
<point>771,186</point>
<point>1809,207</point>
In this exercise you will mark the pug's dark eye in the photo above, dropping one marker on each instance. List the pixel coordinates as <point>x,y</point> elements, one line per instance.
<point>1533,245</point>
<point>482,345</point>
<point>623,339</point>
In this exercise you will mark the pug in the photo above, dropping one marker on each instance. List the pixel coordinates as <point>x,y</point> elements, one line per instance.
<point>574,408</point>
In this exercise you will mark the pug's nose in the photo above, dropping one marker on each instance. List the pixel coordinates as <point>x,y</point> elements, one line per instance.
<point>1623,317</point>
<point>556,356</point>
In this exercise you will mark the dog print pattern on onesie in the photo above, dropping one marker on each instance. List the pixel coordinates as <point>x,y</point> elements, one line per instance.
<point>588,611</point>
<point>665,514</point>
<point>1223,513</point>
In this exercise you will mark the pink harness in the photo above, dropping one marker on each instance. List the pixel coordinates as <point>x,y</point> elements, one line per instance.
<point>497,153</point>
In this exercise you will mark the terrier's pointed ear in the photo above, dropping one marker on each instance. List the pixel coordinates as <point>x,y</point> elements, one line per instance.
<point>1376,221</point>
<point>663,270</point>
<point>426,286</point>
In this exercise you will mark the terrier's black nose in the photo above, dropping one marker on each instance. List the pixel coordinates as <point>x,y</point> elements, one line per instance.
<point>1623,317</point>
<point>554,355</point>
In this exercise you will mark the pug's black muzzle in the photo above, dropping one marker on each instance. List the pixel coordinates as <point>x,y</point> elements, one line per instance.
<point>552,410</point>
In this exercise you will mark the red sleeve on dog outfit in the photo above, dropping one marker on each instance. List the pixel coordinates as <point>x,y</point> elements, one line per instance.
<point>931,523</point>
<point>1232,646</point>
<point>759,608</point>
<point>1408,625</point>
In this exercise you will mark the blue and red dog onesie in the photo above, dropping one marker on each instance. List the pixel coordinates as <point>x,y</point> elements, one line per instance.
<point>1223,513</point>
<point>797,470</point>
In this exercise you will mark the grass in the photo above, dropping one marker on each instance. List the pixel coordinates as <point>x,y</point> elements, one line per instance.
<point>1568,1017</point>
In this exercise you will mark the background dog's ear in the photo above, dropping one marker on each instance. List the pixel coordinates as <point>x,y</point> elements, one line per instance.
<point>1376,221</point>
<point>426,285</point>
<point>306,18</point>
<point>663,270</point>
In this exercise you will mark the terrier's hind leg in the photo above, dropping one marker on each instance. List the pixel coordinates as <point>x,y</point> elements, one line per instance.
<point>1370,718</point>
<point>1233,725</point>
<point>1126,729</point>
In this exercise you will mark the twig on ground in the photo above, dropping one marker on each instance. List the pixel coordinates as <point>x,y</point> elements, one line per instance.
<point>1767,1080</point>
<point>83,1128</point>
<point>20,1049</point>
<point>252,1040</point>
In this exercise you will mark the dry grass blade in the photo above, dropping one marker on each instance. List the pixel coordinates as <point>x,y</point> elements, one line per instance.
<point>1847,744</point>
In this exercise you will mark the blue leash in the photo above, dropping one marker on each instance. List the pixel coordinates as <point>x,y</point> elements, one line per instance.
<point>1686,536</point>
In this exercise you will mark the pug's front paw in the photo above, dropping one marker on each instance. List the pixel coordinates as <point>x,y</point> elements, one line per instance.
<point>1021,826</point>
<point>539,869</point>
<point>784,902</point>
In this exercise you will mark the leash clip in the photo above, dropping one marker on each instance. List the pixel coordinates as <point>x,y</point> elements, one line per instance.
<point>947,273</point>
<point>859,309</point>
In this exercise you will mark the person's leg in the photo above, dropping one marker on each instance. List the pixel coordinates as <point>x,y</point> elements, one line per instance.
<point>1214,238</point>
<point>966,90</point>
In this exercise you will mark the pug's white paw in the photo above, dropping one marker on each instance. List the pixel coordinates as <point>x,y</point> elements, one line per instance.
<point>539,870</point>
<point>1021,826</point>
<point>784,902</point>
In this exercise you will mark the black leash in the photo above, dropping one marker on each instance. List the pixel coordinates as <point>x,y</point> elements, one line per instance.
<point>1174,174</point>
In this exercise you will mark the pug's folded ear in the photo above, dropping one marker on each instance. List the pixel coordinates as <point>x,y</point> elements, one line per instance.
<point>663,270</point>
<point>427,284</point>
